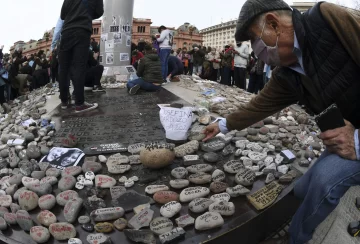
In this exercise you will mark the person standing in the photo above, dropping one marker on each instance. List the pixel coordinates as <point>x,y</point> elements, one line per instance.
<point>198,56</point>
<point>241,60</point>
<point>74,48</point>
<point>214,58</point>
<point>226,62</point>
<point>256,81</point>
<point>166,41</point>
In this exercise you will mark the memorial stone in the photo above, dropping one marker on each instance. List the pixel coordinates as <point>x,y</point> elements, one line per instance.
<point>104,227</point>
<point>200,178</point>
<point>233,166</point>
<point>200,205</point>
<point>237,191</point>
<point>99,238</point>
<point>39,234</point>
<point>62,231</point>
<point>47,202</point>
<point>224,208</point>
<point>208,220</point>
<point>141,236</point>
<point>161,225</point>
<point>213,145</point>
<point>211,157</point>
<point>220,197</point>
<point>179,173</point>
<point>28,200</point>
<point>186,149</point>
<point>199,168</point>
<point>218,175</point>
<point>218,186</point>
<point>179,183</point>
<point>170,209</point>
<point>117,191</point>
<point>163,197</point>
<point>46,218</point>
<point>172,236</point>
<point>155,188</point>
<point>120,224</point>
<point>106,214</point>
<point>245,177</point>
<point>72,209</point>
<point>141,219</point>
<point>24,220</point>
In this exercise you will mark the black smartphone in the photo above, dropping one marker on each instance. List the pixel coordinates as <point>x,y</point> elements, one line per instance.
<point>331,118</point>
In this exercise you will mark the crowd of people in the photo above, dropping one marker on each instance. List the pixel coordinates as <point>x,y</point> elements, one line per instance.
<point>232,66</point>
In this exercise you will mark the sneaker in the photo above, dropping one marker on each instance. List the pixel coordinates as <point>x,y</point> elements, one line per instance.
<point>64,106</point>
<point>133,90</point>
<point>176,79</point>
<point>98,89</point>
<point>88,88</point>
<point>168,80</point>
<point>85,107</point>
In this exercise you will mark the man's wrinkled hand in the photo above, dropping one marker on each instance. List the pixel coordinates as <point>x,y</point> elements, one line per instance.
<point>340,141</point>
<point>211,131</point>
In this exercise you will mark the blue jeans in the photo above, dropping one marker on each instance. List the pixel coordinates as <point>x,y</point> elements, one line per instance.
<point>143,85</point>
<point>321,189</point>
<point>164,58</point>
<point>197,69</point>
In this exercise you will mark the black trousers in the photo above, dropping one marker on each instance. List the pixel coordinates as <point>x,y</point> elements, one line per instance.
<point>240,77</point>
<point>191,65</point>
<point>54,74</point>
<point>73,57</point>
<point>214,74</point>
<point>226,76</point>
<point>2,94</point>
<point>256,83</point>
<point>93,76</point>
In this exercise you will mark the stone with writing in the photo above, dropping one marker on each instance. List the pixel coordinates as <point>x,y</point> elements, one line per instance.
<point>27,181</point>
<point>47,202</point>
<point>104,181</point>
<point>72,209</point>
<point>5,201</point>
<point>53,172</point>
<point>192,193</point>
<point>213,145</point>
<point>46,218</point>
<point>74,241</point>
<point>84,219</point>
<point>209,220</point>
<point>186,149</point>
<point>66,183</point>
<point>172,236</point>
<point>163,197</point>
<point>116,168</point>
<point>41,189</point>
<point>39,234</point>
<point>140,207</point>
<point>28,200</point>
<point>179,172</point>
<point>117,191</point>
<point>62,231</point>
<point>72,170</point>
<point>283,169</point>
<point>184,221</point>
<point>269,178</point>
<point>218,186</point>
<point>233,166</point>
<point>141,219</point>
<point>256,156</point>
<point>211,157</point>
<point>10,218</point>
<point>199,168</point>
<point>65,196</point>
<point>220,197</point>
<point>106,214</point>
<point>191,159</point>
<point>3,211</point>
<point>16,179</point>
<point>120,224</point>
<point>161,225</point>
<point>3,224</point>
<point>245,177</point>
<point>218,175</point>
<point>270,169</point>
<point>152,189</point>
<point>136,148</point>
<point>118,159</point>
<point>170,209</point>
<point>18,192</point>
<point>141,236</point>
<point>91,166</point>
<point>104,227</point>
<point>179,183</point>
<point>24,220</point>
<point>52,180</point>
<point>286,179</point>
<point>224,208</point>
<point>265,196</point>
<point>237,191</point>
<point>134,159</point>
<point>157,155</point>
<point>200,178</point>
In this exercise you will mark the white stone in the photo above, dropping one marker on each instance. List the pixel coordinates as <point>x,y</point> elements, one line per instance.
<point>283,169</point>
<point>278,160</point>
<point>199,168</point>
<point>200,205</point>
<point>220,197</point>
<point>269,178</point>
<point>237,191</point>
<point>224,208</point>
<point>27,181</point>
<point>102,159</point>
<point>192,193</point>
<point>233,166</point>
<point>179,183</point>
<point>268,161</point>
<point>74,241</point>
<point>240,144</point>
<point>170,209</point>
<point>256,156</point>
<point>208,220</point>
<point>129,183</point>
<point>179,172</point>
<point>238,153</point>
<point>122,179</point>
<point>184,221</point>
<point>90,175</point>
<point>79,185</point>
<point>88,182</point>
<point>218,175</point>
<point>80,178</point>
<point>134,178</point>
<point>161,225</point>
<point>152,189</point>
<point>247,161</point>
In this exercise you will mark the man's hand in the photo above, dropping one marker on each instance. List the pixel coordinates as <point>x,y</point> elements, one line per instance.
<point>96,55</point>
<point>340,141</point>
<point>211,131</point>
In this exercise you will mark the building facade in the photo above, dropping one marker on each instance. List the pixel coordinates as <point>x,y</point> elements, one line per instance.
<point>185,36</point>
<point>220,35</point>
<point>302,6</point>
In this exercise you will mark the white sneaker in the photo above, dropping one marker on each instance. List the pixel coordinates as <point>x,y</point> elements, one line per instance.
<point>168,80</point>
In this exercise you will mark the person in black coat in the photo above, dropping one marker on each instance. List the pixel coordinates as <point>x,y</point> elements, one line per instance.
<point>176,67</point>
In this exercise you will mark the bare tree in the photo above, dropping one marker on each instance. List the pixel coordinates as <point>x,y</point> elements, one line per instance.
<point>357,4</point>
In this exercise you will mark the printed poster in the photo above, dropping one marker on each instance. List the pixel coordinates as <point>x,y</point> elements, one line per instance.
<point>109,46</point>
<point>128,40</point>
<point>124,57</point>
<point>117,38</point>
<point>109,58</point>
<point>62,158</point>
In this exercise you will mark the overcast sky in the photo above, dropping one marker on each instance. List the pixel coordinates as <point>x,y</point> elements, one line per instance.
<point>29,19</point>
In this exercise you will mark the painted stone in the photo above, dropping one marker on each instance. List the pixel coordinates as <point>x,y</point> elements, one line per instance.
<point>170,209</point>
<point>46,218</point>
<point>106,214</point>
<point>237,191</point>
<point>208,220</point>
<point>39,234</point>
<point>224,208</point>
<point>192,193</point>
<point>163,197</point>
<point>28,200</point>
<point>184,221</point>
<point>141,219</point>
<point>104,227</point>
<point>161,225</point>
<point>62,231</point>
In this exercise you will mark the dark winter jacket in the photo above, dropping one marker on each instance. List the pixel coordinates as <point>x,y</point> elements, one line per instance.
<point>78,14</point>
<point>198,57</point>
<point>176,67</point>
<point>328,36</point>
<point>149,69</point>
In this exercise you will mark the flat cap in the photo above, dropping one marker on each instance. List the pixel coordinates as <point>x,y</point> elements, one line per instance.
<point>252,9</point>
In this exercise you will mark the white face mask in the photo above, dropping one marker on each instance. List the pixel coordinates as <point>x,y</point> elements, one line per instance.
<point>270,55</point>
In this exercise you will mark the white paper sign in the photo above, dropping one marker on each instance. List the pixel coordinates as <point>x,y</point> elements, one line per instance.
<point>176,122</point>
<point>109,58</point>
<point>117,38</point>
<point>109,46</point>
<point>124,57</point>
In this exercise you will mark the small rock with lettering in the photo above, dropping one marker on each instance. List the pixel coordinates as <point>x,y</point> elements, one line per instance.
<point>65,196</point>
<point>233,166</point>
<point>39,234</point>
<point>170,209</point>
<point>237,191</point>
<point>62,231</point>
<point>120,224</point>
<point>179,173</point>
<point>84,219</point>
<point>72,209</point>
<point>200,205</point>
<point>104,227</point>
<point>28,200</point>
<point>179,183</point>
<point>117,191</point>
<point>141,219</point>
<point>218,175</point>
<point>106,214</point>
<point>163,197</point>
<point>161,225</point>
<point>199,168</point>
<point>192,193</point>
<point>104,181</point>
<point>46,218</point>
<point>208,220</point>
<point>47,202</point>
<point>141,236</point>
<point>24,220</point>
<point>218,187</point>
<point>172,236</point>
<point>224,208</point>
<point>200,178</point>
<point>220,197</point>
<point>184,221</point>
<point>245,177</point>
<point>67,183</point>
<point>155,188</point>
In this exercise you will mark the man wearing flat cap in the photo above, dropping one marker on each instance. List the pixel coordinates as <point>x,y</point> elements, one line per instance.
<point>317,55</point>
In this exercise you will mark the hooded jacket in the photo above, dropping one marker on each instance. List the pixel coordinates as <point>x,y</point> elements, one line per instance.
<point>149,69</point>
